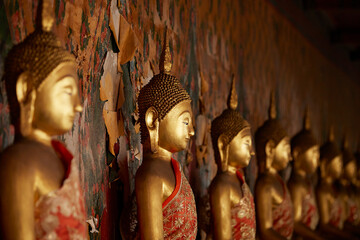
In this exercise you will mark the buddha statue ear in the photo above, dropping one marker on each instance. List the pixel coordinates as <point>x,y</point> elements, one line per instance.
<point>295,154</point>
<point>323,169</point>
<point>152,124</point>
<point>224,152</point>
<point>26,97</point>
<point>270,153</point>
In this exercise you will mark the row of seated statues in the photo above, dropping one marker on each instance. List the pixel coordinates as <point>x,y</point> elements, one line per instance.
<point>41,197</point>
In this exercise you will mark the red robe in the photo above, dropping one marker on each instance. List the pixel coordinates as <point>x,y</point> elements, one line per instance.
<point>336,213</point>
<point>283,219</point>
<point>60,214</point>
<point>353,216</point>
<point>243,222</point>
<point>309,211</point>
<point>179,210</point>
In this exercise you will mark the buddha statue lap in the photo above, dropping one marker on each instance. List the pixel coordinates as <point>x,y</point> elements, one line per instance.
<point>164,199</point>
<point>273,204</point>
<point>231,201</point>
<point>40,188</point>
<point>305,153</point>
<point>328,198</point>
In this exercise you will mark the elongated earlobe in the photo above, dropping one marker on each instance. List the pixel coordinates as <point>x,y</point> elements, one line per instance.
<point>224,152</point>
<point>270,152</point>
<point>152,124</point>
<point>323,168</point>
<point>26,97</point>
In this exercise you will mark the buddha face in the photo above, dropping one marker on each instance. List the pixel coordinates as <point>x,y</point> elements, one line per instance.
<point>310,159</point>
<point>282,154</point>
<point>176,129</point>
<point>334,168</point>
<point>240,149</point>
<point>57,101</point>
<point>350,171</point>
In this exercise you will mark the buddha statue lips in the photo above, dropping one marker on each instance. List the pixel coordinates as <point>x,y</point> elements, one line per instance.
<point>39,182</point>
<point>165,117</point>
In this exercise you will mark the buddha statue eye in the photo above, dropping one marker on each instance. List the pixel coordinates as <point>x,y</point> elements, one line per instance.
<point>68,90</point>
<point>186,123</point>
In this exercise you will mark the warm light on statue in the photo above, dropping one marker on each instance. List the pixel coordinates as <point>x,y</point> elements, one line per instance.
<point>328,198</point>
<point>272,199</point>
<point>39,181</point>
<point>232,204</point>
<point>305,152</point>
<point>163,195</point>
<point>348,190</point>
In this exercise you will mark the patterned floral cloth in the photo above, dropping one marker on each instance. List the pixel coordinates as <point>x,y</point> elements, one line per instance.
<point>309,211</point>
<point>61,213</point>
<point>283,219</point>
<point>179,210</point>
<point>335,214</point>
<point>243,214</point>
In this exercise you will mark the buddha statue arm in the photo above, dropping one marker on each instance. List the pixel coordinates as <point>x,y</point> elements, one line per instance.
<point>17,199</point>
<point>263,203</point>
<point>148,189</point>
<point>221,211</point>
<point>297,194</point>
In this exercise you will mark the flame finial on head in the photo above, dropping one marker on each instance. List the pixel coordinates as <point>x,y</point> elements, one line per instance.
<point>165,58</point>
<point>272,107</point>
<point>345,143</point>
<point>233,97</point>
<point>331,133</point>
<point>45,15</point>
<point>307,122</point>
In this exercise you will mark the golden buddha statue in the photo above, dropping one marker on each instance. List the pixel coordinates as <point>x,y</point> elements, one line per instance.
<point>348,190</point>
<point>305,153</point>
<point>39,183</point>
<point>232,204</point>
<point>165,201</point>
<point>328,199</point>
<point>274,209</point>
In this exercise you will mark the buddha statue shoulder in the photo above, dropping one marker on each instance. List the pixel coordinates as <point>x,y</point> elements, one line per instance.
<point>330,205</point>
<point>40,189</point>
<point>231,201</point>
<point>165,202</point>
<point>305,153</point>
<point>274,208</point>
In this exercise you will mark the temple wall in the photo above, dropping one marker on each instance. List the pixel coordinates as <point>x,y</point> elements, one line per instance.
<point>212,39</point>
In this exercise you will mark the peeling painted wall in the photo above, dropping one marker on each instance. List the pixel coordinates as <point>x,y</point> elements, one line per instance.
<point>248,38</point>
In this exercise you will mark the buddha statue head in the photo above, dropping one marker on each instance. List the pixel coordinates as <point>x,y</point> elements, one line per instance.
<point>231,136</point>
<point>165,114</point>
<point>349,163</point>
<point>305,149</point>
<point>41,82</point>
<point>272,143</point>
<point>330,158</point>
